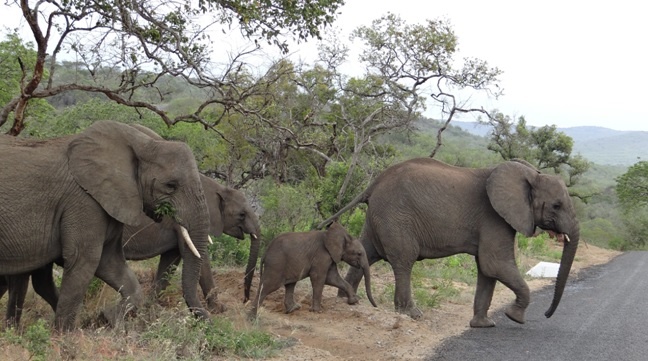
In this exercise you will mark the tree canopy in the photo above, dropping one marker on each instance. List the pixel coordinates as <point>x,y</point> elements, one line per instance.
<point>126,46</point>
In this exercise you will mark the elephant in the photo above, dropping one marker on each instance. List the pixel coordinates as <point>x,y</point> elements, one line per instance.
<point>293,256</point>
<point>423,208</point>
<point>229,213</point>
<point>68,199</point>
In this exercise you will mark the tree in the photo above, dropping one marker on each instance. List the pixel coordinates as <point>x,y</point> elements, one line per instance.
<point>128,46</point>
<point>13,51</point>
<point>408,57</point>
<point>544,147</point>
<point>632,187</point>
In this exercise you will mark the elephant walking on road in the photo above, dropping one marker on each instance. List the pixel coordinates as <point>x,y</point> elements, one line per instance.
<point>423,208</point>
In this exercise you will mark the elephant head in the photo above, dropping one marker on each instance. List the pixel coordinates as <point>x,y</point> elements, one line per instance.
<point>527,199</point>
<point>341,246</point>
<point>127,171</point>
<point>230,213</point>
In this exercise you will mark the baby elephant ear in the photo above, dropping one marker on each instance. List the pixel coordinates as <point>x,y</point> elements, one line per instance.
<point>509,190</point>
<point>334,241</point>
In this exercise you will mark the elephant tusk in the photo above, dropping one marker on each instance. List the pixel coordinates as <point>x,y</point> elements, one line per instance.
<point>209,240</point>
<point>187,239</point>
<point>567,238</point>
<point>254,236</point>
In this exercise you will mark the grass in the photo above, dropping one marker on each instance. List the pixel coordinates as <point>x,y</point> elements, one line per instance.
<point>165,331</point>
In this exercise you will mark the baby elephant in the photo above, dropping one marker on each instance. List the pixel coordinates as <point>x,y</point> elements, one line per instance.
<point>294,256</point>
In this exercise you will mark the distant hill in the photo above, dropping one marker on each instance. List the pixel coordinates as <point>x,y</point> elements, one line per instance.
<point>597,144</point>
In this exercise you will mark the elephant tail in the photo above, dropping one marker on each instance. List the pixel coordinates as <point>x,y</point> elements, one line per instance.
<point>361,198</point>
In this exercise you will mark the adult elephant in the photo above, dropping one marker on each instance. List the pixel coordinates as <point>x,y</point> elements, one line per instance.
<point>423,208</point>
<point>68,198</point>
<point>229,213</point>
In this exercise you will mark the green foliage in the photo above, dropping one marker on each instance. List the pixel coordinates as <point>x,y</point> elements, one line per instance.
<point>195,339</point>
<point>35,338</point>
<point>544,147</point>
<point>229,251</point>
<point>94,288</point>
<point>286,208</point>
<point>165,209</point>
<point>330,185</point>
<point>14,53</point>
<point>632,186</point>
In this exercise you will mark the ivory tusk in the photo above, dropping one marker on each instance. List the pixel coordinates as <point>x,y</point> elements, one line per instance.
<point>567,238</point>
<point>209,240</point>
<point>254,236</point>
<point>187,239</point>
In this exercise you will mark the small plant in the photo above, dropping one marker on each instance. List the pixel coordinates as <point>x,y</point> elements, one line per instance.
<point>165,209</point>
<point>229,251</point>
<point>35,339</point>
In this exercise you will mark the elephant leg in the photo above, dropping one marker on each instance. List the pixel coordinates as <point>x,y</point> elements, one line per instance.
<point>290,305</point>
<point>115,272</point>
<point>266,287</point>
<point>483,297</point>
<point>317,281</point>
<point>77,274</point>
<point>208,287</point>
<point>43,283</point>
<point>403,292</point>
<point>334,279</point>
<point>18,285</point>
<point>505,270</point>
<point>168,262</point>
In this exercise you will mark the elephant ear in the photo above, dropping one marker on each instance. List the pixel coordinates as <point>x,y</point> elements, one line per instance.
<point>509,189</point>
<point>103,162</point>
<point>334,240</point>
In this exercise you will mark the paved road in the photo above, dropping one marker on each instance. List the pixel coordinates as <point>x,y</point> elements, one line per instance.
<point>603,315</point>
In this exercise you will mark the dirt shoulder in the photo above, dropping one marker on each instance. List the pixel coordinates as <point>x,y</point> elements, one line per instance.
<point>362,332</point>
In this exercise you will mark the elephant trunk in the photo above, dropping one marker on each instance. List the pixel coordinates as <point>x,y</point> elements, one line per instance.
<point>570,245</point>
<point>255,243</point>
<point>197,226</point>
<point>367,278</point>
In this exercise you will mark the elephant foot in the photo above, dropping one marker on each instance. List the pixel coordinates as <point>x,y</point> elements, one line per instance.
<point>515,313</point>
<point>216,307</point>
<point>481,322</point>
<point>353,300</point>
<point>115,315</point>
<point>292,308</point>
<point>316,309</point>
<point>412,312</point>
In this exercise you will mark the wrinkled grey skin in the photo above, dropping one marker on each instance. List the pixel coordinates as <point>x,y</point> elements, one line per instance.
<point>68,198</point>
<point>423,208</point>
<point>294,256</point>
<point>229,213</point>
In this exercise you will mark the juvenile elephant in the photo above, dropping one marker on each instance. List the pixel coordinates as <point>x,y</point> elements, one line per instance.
<point>229,213</point>
<point>294,256</point>
<point>68,198</point>
<point>423,208</point>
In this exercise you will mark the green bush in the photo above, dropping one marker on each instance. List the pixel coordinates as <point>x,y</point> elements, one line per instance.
<point>229,251</point>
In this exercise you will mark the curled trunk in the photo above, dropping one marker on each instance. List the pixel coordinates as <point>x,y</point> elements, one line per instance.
<point>570,245</point>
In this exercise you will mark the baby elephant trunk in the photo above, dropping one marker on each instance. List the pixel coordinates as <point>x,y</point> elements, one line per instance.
<point>367,277</point>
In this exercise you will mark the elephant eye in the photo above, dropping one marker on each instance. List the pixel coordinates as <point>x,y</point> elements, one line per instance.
<point>557,206</point>
<point>172,186</point>
<point>242,215</point>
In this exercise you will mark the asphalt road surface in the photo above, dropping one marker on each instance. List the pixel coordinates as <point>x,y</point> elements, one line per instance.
<point>603,315</point>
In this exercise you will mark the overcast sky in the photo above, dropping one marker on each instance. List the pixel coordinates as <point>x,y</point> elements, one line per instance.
<point>569,63</point>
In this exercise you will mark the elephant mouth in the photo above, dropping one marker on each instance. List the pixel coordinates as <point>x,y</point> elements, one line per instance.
<point>150,212</point>
<point>559,237</point>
